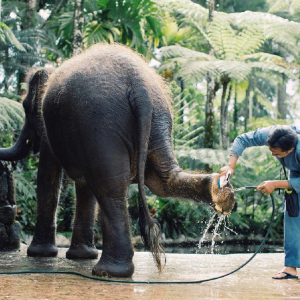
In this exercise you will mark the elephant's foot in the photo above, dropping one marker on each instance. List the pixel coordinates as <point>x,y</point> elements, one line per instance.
<point>113,270</point>
<point>42,250</point>
<point>82,251</point>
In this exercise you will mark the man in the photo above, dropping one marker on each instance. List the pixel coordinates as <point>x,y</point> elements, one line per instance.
<point>284,143</point>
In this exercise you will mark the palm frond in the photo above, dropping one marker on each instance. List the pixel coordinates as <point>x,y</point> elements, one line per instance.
<point>187,107</point>
<point>222,37</point>
<point>179,51</point>
<point>7,37</point>
<point>196,71</point>
<point>216,157</point>
<point>24,187</point>
<point>173,34</point>
<point>190,22</point>
<point>130,15</point>
<point>12,6</point>
<point>277,5</point>
<point>11,116</point>
<point>262,99</point>
<point>234,69</point>
<point>175,64</point>
<point>249,40</point>
<point>266,21</point>
<point>96,32</point>
<point>264,57</point>
<point>186,9</point>
<point>295,6</point>
<point>270,66</point>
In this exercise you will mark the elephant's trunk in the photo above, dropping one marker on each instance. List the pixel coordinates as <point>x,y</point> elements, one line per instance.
<point>20,150</point>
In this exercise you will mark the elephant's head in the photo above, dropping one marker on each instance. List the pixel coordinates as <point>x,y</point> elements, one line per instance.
<point>223,198</point>
<point>29,139</point>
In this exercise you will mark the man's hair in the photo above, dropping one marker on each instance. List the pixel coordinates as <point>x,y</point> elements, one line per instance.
<point>283,137</point>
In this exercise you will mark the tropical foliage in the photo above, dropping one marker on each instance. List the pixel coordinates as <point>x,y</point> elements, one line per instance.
<point>293,6</point>
<point>236,41</point>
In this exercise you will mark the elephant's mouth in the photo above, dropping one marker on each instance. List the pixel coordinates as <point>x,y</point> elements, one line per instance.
<point>223,198</point>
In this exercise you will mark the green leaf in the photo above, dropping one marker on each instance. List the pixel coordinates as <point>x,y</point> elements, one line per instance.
<point>7,37</point>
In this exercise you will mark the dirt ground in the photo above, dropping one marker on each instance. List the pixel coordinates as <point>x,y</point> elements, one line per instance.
<point>251,282</point>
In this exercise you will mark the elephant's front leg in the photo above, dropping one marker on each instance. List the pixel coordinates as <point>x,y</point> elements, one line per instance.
<point>82,244</point>
<point>117,254</point>
<point>48,188</point>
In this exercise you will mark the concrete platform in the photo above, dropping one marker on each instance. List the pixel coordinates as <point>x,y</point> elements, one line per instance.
<point>251,282</point>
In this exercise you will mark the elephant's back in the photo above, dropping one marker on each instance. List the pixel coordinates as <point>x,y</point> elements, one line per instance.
<point>86,104</point>
<point>108,71</point>
<point>95,86</point>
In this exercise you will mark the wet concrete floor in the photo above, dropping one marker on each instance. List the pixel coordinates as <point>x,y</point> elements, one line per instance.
<point>251,282</point>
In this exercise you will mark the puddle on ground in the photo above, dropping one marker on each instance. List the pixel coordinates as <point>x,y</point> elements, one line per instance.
<point>252,282</point>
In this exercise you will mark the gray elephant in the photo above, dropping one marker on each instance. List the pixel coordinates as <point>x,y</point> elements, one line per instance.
<point>104,117</point>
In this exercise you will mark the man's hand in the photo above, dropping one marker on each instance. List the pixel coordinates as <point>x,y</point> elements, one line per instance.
<point>225,170</point>
<point>267,187</point>
<point>230,166</point>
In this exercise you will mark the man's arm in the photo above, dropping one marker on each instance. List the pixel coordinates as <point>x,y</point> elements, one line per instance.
<point>267,187</point>
<point>243,141</point>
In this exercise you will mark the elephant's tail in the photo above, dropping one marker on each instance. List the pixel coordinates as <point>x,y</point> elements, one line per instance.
<point>141,104</point>
<point>150,235</point>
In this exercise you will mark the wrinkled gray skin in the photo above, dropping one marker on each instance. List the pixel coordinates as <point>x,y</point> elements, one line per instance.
<point>104,118</point>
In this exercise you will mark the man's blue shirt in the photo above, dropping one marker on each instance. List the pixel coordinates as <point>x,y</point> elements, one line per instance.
<point>259,138</point>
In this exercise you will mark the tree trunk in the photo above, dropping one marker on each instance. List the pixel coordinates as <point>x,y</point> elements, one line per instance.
<point>78,27</point>
<point>224,113</point>
<point>235,111</point>
<point>226,116</point>
<point>209,113</point>
<point>29,22</point>
<point>250,106</point>
<point>211,91</point>
<point>246,105</point>
<point>30,14</point>
<point>281,99</point>
<point>55,10</point>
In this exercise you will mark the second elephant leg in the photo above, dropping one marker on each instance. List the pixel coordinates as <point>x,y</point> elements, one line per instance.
<point>48,188</point>
<point>117,254</point>
<point>82,244</point>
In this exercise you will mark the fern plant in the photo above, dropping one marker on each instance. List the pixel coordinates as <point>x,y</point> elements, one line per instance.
<point>7,37</point>
<point>236,43</point>
<point>11,119</point>
<point>293,6</point>
<point>133,23</point>
<point>25,172</point>
<point>25,175</point>
<point>31,47</point>
<point>188,117</point>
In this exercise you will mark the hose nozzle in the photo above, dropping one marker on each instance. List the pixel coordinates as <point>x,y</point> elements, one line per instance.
<point>223,180</point>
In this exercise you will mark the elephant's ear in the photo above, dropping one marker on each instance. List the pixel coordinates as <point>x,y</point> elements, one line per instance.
<point>37,80</point>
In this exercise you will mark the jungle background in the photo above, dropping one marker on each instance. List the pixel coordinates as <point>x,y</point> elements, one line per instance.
<point>232,66</point>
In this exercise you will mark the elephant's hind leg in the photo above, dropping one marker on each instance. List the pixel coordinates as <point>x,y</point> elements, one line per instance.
<point>82,244</point>
<point>48,188</point>
<point>117,254</point>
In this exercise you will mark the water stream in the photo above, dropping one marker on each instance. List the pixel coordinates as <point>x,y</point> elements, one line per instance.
<point>215,233</point>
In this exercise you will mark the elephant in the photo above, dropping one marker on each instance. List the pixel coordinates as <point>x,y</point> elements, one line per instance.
<point>104,117</point>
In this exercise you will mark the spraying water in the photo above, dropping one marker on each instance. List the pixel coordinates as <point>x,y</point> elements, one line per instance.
<point>206,230</point>
<point>221,219</point>
<point>225,225</point>
<point>215,233</point>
